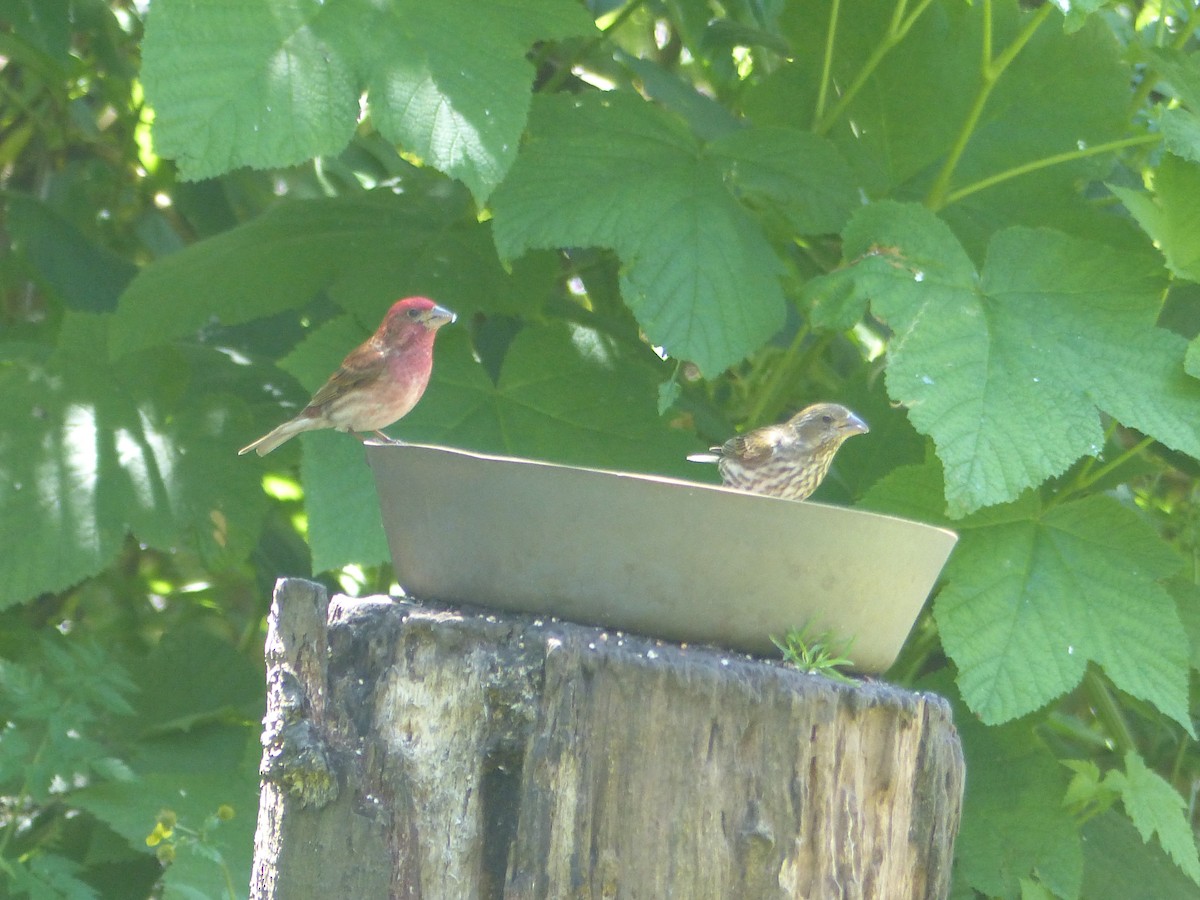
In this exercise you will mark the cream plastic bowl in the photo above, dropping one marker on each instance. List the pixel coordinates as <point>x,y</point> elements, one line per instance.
<point>658,556</point>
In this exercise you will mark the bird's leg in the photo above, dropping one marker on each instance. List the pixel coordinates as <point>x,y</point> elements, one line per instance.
<point>387,440</point>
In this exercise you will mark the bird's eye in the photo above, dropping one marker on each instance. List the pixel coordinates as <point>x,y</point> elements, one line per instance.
<point>828,420</point>
<point>414,313</point>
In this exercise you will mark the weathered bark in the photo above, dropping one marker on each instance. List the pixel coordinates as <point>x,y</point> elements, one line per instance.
<point>417,751</point>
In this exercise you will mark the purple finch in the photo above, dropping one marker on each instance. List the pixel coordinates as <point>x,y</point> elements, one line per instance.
<point>378,383</point>
<point>788,460</point>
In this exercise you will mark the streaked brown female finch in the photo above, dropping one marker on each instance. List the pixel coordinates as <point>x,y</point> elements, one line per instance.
<point>788,460</point>
<point>378,383</point>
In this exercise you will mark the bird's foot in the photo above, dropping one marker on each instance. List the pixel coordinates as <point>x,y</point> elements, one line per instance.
<point>386,439</point>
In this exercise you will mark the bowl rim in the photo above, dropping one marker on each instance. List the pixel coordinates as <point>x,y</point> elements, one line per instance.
<point>745,496</point>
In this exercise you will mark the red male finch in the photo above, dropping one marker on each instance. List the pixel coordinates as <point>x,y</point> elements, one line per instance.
<point>378,383</point>
<point>788,460</point>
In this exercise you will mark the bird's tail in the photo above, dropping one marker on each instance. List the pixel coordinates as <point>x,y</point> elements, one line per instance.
<point>704,457</point>
<point>277,436</point>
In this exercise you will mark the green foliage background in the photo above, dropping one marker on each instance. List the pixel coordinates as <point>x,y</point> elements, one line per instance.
<point>976,224</point>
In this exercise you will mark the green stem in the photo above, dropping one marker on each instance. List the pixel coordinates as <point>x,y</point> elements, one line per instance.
<point>1004,60</point>
<point>767,397</point>
<point>896,32</point>
<point>1069,729</point>
<point>1108,711</point>
<point>1177,764</point>
<point>1045,163</point>
<point>827,62</point>
<point>922,646</point>
<point>555,81</point>
<point>1090,462</point>
<point>991,70</point>
<point>1085,480</point>
<point>985,45</point>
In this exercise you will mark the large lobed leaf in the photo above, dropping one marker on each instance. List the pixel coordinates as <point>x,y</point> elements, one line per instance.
<point>698,271</point>
<point>275,82</point>
<point>1031,600</point>
<point>365,250</point>
<point>1007,369</point>
<point>92,451</point>
<point>1033,594</point>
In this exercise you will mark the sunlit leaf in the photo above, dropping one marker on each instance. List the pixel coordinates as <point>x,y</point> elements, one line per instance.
<point>698,272</point>
<point>85,459</point>
<point>1033,596</point>
<point>277,82</point>
<point>366,250</point>
<point>1007,369</point>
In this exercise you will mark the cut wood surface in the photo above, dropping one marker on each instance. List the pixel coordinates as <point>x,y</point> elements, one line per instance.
<point>414,750</point>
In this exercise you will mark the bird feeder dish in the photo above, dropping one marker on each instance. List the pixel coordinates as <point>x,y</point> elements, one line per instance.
<point>658,556</point>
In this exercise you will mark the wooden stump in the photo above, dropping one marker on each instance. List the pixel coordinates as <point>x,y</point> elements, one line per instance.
<point>413,750</point>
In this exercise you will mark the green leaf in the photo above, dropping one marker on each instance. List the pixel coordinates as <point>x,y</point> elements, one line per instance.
<point>344,525</point>
<point>1120,866</point>
<point>1033,596</point>
<point>802,173</point>
<point>192,676</point>
<point>1180,73</point>
<point>1157,809</point>
<point>1012,825</point>
<point>1187,602</point>
<point>1180,70</point>
<point>565,394</point>
<point>914,492</point>
<point>274,83</point>
<point>697,270</point>
<point>467,122</point>
<point>88,277</point>
<point>1181,133</point>
<point>93,452</point>
<point>1191,359</point>
<point>1032,890</point>
<point>43,24</point>
<point>1172,216</point>
<point>131,809</point>
<point>245,84</point>
<point>366,250</point>
<point>48,876</point>
<point>1077,12</point>
<point>706,116</point>
<point>1006,370</point>
<point>1087,791</point>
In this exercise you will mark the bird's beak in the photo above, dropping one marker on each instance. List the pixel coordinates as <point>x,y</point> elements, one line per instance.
<point>439,316</point>
<point>855,425</point>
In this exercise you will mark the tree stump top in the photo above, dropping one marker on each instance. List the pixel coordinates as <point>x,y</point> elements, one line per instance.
<point>416,750</point>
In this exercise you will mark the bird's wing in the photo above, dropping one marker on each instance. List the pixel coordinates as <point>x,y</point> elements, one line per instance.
<point>364,365</point>
<point>753,448</point>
